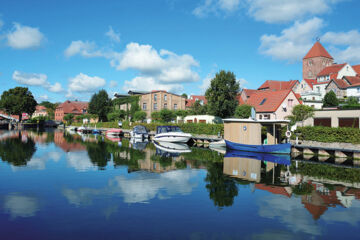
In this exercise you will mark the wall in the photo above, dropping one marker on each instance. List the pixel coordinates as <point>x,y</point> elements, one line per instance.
<point>340,93</point>
<point>347,70</point>
<point>303,87</point>
<point>234,131</point>
<point>353,92</point>
<point>280,113</point>
<point>318,64</point>
<point>334,115</point>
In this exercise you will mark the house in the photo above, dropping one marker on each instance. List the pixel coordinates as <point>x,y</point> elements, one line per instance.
<point>357,69</point>
<point>279,85</point>
<point>273,104</point>
<point>40,111</point>
<point>348,86</point>
<point>74,107</point>
<point>335,71</point>
<point>193,98</point>
<point>202,119</point>
<point>245,95</point>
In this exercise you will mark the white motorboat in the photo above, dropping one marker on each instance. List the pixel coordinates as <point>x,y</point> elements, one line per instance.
<point>171,134</point>
<point>172,147</point>
<point>139,132</point>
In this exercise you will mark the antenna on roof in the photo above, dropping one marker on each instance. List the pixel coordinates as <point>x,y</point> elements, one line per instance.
<point>318,39</point>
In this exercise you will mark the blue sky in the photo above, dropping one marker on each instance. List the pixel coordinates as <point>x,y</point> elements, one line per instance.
<point>71,49</point>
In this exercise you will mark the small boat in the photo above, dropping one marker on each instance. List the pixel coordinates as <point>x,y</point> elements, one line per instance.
<point>218,145</point>
<point>172,147</point>
<point>171,134</point>
<point>275,158</point>
<point>284,148</point>
<point>113,132</point>
<point>81,129</point>
<point>139,131</point>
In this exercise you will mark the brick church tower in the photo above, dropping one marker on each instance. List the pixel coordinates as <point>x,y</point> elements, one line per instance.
<point>315,61</point>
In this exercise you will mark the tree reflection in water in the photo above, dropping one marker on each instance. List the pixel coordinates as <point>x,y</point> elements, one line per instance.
<point>17,151</point>
<point>222,189</point>
<point>98,154</point>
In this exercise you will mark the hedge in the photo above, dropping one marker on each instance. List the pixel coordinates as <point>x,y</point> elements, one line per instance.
<point>328,134</point>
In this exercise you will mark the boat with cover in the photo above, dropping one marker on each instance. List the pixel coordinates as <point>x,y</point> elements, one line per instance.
<point>171,134</point>
<point>284,148</point>
<point>139,131</point>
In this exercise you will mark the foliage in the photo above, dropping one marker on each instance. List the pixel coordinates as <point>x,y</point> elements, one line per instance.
<point>222,189</point>
<point>164,161</point>
<point>198,109</point>
<point>100,104</point>
<point>243,111</point>
<point>167,115</point>
<point>98,154</point>
<point>181,113</point>
<point>139,116</point>
<point>352,100</point>
<point>79,118</point>
<point>351,103</point>
<point>330,100</point>
<point>17,101</point>
<point>116,115</point>
<point>300,113</point>
<point>17,152</point>
<point>69,118</point>
<point>302,189</point>
<point>155,116</point>
<point>184,95</point>
<point>328,134</point>
<point>221,94</point>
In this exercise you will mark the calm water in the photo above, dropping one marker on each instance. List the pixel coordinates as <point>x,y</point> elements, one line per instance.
<point>62,186</point>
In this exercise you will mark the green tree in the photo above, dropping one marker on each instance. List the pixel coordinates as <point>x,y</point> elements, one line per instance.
<point>116,115</point>
<point>330,100</point>
<point>50,108</point>
<point>243,111</point>
<point>17,101</point>
<point>352,101</point>
<point>167,115</point>
<point>184,95</point>
<point>139,116</point>
<point>198,109</point>
<point>100,104</point>
<point>69,118</point>
<point>181,113</point>
<point>300,113</point>
<point>17,152</point>
<point>98,154</point>
<point>155,116</point>
<point>221,94</point>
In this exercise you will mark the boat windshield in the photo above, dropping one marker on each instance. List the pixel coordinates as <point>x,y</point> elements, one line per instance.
<point>140,129</point>
<point>165,129</point>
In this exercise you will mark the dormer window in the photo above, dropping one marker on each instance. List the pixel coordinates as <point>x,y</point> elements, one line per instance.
<point>263,101</point>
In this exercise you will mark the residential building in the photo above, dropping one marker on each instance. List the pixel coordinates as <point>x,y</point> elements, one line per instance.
<point>346,87</point>
<point>193,98</point>
<point>335,118</point>
<point>40,111</point>
<point>202,119</point>
<point>273,104</point>
<point>74,107</point>
<point>357,69</point>
<point>279,85</point>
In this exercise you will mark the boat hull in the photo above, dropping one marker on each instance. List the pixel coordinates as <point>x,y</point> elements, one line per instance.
<point>172,137</point>
<point>284,148</point>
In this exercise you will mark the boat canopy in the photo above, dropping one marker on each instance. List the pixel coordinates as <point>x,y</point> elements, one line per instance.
<point>140,129</point>
<point>165,129</point>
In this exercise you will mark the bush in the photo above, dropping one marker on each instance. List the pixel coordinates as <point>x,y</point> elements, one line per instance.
<point>328,134</point>
<point>139,116</point>
<point>330,100</point>
<point>243,111</point>
<point>155,116</point>
<point>116,115</point>
<point>167,115</point>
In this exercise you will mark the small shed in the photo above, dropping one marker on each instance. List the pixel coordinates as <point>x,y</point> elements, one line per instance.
<point>202,119</point>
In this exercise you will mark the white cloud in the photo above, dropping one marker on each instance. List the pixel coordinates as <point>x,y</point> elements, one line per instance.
<point>31,79</point>
<point>148,83</point>
<point>85,83</point>
<point>22,37</point>
<point>44,97</point>
<point>115,37</point>
<point>294,42</point>
<point>113,84</point>
<point>216,7</point>
<point>79,161</point>
<point>85,49</point>
<point>344,45</point>
<point>20,206</point>
<point>55,88</point>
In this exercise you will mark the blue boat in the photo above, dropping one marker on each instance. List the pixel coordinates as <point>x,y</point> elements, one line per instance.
<point>284,148</point>
<point>275,158</point>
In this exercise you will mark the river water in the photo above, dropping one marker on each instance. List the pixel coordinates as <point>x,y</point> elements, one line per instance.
<point>56,185</point>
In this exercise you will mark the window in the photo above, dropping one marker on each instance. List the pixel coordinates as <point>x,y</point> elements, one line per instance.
<point>318,89</point>
<point>290,102</point>
<point>310,74</point>
<point>155,106</point>
<point>266,116</point>
<point>175,106</point>
<point>155,97</point>
<point>260,117</point>
<point>263,101</point>
<point>165,105</point>
<point>358,89</point>
<point>313,98</point>
<point>144,106</point>
<point>165,97</point>
<point>310,63</point>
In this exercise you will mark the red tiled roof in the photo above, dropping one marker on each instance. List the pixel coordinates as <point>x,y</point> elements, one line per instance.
<point>193,99</point>
<point>298,96</point>
<point>272,102</point>
<point>240,100</point>
<point>273,189</point>
<point>310,82</point>
<point>320,83</point>
<point>333,69</point>
<point>352,80</point>
<point>356,68</point>
<point>248,92</point>
<point>341,83</point>
<point>317,50</point>
<point>40,107</point>
<point>278,85</point>
<point>316,211</point>
<point>73,106</point>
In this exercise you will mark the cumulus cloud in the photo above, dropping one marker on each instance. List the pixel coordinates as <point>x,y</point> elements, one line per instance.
<point>20,206</point>
<point>344,45</point>
<point>113,36</point>
<point>113,84</point>
<point>44,97</point>
<point>86,49</point>
<point>79,161</point>
<point>36,79</point>
<point>216,7</point>
<point>148,83</point>
<point>293,42</point>
<point>85,83</point>
<point>22,37</point>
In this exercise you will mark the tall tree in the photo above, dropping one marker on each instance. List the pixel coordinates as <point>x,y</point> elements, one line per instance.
<point>330,100</point>
<point>221,94</point>
<point>17,101</point>
<point>100,104</point>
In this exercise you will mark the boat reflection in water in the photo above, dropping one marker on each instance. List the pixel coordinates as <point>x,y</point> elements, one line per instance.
<point>171,149</point>
<point>138,143</point>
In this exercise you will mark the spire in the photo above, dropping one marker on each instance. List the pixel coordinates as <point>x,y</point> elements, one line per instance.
<point>318,51</point>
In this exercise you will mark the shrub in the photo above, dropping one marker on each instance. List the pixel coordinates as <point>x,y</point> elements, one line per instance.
<point>139,116</point>
<point>116,115</point>
<point>330,100</point>
<point>328,134</point>
<point>243,111</point>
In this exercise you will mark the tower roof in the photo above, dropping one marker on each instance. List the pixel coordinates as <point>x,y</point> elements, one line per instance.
<point>318,51</point>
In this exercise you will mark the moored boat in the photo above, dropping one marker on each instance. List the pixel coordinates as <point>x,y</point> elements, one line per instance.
<point>139,131</point>
<point>284,148</point>
<point>171,134</point>
<point>113,132</point>
<point>172,147</point>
